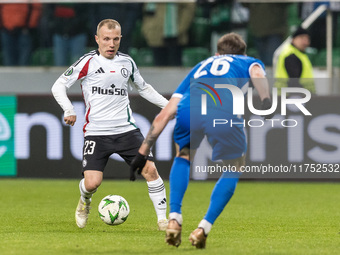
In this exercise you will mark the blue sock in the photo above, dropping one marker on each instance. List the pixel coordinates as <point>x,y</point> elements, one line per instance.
<point>179,180</point>
<point>220,196</point>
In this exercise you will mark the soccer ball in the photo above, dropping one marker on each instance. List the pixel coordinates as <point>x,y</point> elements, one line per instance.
<point>113,209</point>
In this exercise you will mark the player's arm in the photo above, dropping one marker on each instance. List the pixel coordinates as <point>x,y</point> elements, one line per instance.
<point>150,94</point>
<point>59,91</point>
<point>165,115</point>
<point>146,90</point>
<point>156,129</point>
<point>159,123</point>
<point>60,95</point>
<point>261,84</point>
<point>260,81</point>
<point>75,72</point>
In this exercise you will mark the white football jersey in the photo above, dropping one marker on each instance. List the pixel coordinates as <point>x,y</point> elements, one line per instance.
<point>105,84</point>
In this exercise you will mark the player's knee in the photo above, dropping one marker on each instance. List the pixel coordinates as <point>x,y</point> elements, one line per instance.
<point>184,153</point>
<point>92,184</point>
<point>149,172</point>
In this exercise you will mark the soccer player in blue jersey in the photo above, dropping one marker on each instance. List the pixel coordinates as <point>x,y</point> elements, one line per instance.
<point>229,66</point>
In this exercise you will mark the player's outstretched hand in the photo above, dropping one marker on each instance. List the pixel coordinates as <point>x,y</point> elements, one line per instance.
<point>265,105</point>
<point>70,120</point>
<point>137,164</point>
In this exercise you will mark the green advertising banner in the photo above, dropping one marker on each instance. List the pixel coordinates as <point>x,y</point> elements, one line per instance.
<point>8,106</point>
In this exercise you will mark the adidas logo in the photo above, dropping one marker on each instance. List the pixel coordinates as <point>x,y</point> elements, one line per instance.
<point>100,70</point>
<point>162,202</point>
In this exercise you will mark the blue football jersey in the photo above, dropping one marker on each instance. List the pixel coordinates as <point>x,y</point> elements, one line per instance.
<point>223,69</point>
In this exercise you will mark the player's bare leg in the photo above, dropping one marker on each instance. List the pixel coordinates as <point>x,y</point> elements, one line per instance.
<point>157,193</point>
<point>87,186</point>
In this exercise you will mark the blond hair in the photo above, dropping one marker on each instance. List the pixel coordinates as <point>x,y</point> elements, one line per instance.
<point>110,23</point>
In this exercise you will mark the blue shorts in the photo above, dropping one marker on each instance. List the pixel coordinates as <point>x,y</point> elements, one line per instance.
<point>227,141</point>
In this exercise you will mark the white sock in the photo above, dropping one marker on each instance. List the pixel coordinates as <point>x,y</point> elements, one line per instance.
<point>176,216</point>
<point>158,197</point>
<point>206,225</point>
<point>84,194</point>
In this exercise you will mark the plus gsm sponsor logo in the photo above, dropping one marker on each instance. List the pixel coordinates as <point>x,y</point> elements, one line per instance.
<point>113,91</point>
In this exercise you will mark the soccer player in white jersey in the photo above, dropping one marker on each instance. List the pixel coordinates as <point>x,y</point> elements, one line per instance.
<point>230,66</point>
<point>106,75</point>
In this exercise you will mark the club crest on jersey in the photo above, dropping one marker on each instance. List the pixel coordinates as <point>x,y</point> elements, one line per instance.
<point>124,72</point>
<point>69,71</point>
<point>84,162</point>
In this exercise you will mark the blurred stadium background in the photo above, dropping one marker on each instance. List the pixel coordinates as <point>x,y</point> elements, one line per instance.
<point>34,142</point>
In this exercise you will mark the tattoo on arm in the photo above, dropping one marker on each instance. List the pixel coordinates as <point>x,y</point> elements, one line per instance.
<point>151,137</point>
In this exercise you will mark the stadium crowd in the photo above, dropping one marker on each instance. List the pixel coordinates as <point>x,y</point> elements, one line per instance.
<point>155,34</point>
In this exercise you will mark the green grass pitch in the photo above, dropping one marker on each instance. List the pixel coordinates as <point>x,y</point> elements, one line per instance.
<point>37,217</point>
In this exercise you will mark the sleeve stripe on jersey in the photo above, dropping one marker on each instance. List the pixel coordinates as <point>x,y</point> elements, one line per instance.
<point>85,69</point>
<point>133,71</point>
<point>177,95</point>
<point>258,64</point>
<point>91,53</point>
<point>129,117</point>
